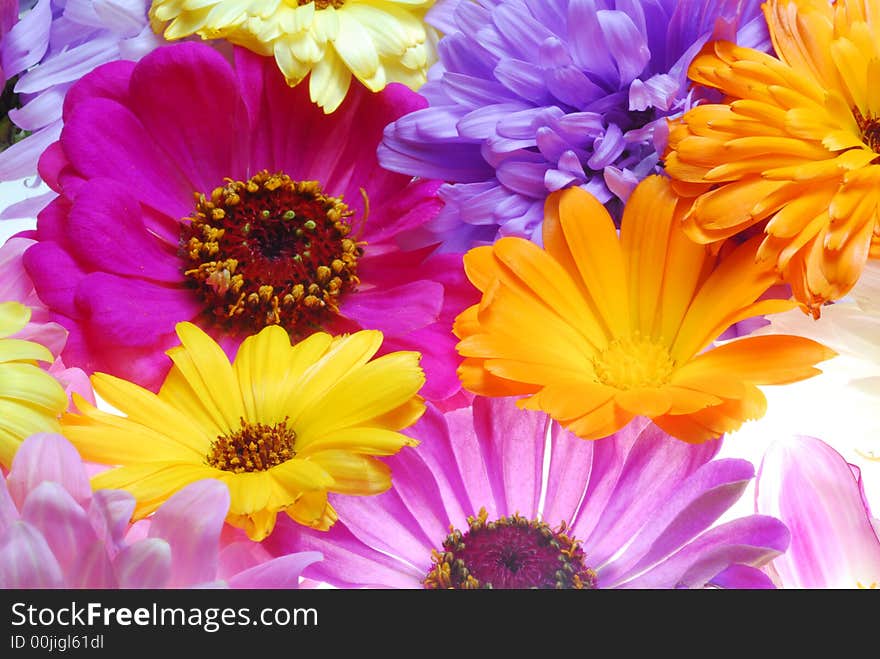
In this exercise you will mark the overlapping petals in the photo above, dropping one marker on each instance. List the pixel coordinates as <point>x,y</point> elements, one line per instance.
<point>533,97</point>
<point>811,488</point>
<point>107,262</point>
<point>56,533</point>
<point>643,507</point>
<point>279,427</point>
<point>794,150</point>
<point>598,329</point>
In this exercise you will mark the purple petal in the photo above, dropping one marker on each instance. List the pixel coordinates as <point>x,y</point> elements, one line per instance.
<point>607,148</point>
<point>742,576</point>
<point>571,463</point>
<point>695,504</point>
<point>190,522</point>
<point>753,540</point>
<point>47,457</point>
<point>27,41</point>
<point>626,42</point>
<point>588,46</point>
<point>526,178</point>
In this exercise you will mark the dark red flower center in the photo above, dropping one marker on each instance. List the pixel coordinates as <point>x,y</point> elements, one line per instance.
<point>869,128</point>
<point>270,251</point>
<point>511,552</point>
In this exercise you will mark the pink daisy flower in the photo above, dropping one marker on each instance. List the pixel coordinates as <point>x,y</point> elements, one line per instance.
<point>193,189</point>
<point>56,533</point>
<point>470,508</point>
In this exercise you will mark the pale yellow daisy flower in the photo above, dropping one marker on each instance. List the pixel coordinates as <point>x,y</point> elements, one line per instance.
<point>377,41</point>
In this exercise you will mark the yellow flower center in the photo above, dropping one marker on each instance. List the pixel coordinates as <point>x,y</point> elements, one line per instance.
<point>253,447</point>
<point>322,4</point>
<point>270,251</point>
<point>869,130</point>
<point>634,363</point>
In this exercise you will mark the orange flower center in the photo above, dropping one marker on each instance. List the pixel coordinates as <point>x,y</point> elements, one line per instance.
<point>634,363</point>
<point>253,447</point>
<point>270,251</point>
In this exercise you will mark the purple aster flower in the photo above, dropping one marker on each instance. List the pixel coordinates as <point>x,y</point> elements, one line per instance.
<point>635,510</point>
<point>532,97</point>
<point>53,45</point>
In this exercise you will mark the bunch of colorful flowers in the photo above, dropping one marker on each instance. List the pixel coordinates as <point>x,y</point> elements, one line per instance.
<point>434,294</point>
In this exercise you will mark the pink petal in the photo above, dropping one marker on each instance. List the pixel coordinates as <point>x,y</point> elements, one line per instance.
<point>810,487</point>
<point>110,514</point>
<point>48,457</point>
<point>26,560</point>
<point>145,564</point>
<point>190,522</point>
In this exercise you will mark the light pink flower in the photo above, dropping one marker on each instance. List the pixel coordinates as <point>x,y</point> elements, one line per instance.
<point>56,533</point>
<point>818,495</point>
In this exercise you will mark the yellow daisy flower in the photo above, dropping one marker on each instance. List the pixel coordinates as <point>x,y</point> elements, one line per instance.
<point>796,148</point>
<point>597,329</point>
<point>30,399</point>
<point>281,426</point>
<point>379,41</point>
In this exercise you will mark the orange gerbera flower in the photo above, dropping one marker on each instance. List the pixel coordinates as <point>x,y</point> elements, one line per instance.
<point>597,330</point>
<point>797,147</point>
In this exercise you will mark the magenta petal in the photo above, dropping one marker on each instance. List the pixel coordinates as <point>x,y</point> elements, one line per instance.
<point>104,139</point>
<point>742,576</point>
<point>753,540</point>
<point>191,521</point>
<point>104,224</point>
<point>201,92</point>
<point>513,441</point>
<point>397,310</point>
<point>403,210</point>
<point>26,560</point>
<point>697,502</point>
<point>656,468</point>
<point>571,461</point>
<point>133,312</point>
<point>55,275</point>
<point>108,81</point>
<point>281,572</point>
<point>144,564</point>
<point>48,457</point>
<point>348,562</point>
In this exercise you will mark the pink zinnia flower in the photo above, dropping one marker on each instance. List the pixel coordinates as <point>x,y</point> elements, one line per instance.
<point>56,533</point>
<point>635,510</point>
<point>16,286</point>
<point>293,221</point>
<point>834,538</point>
